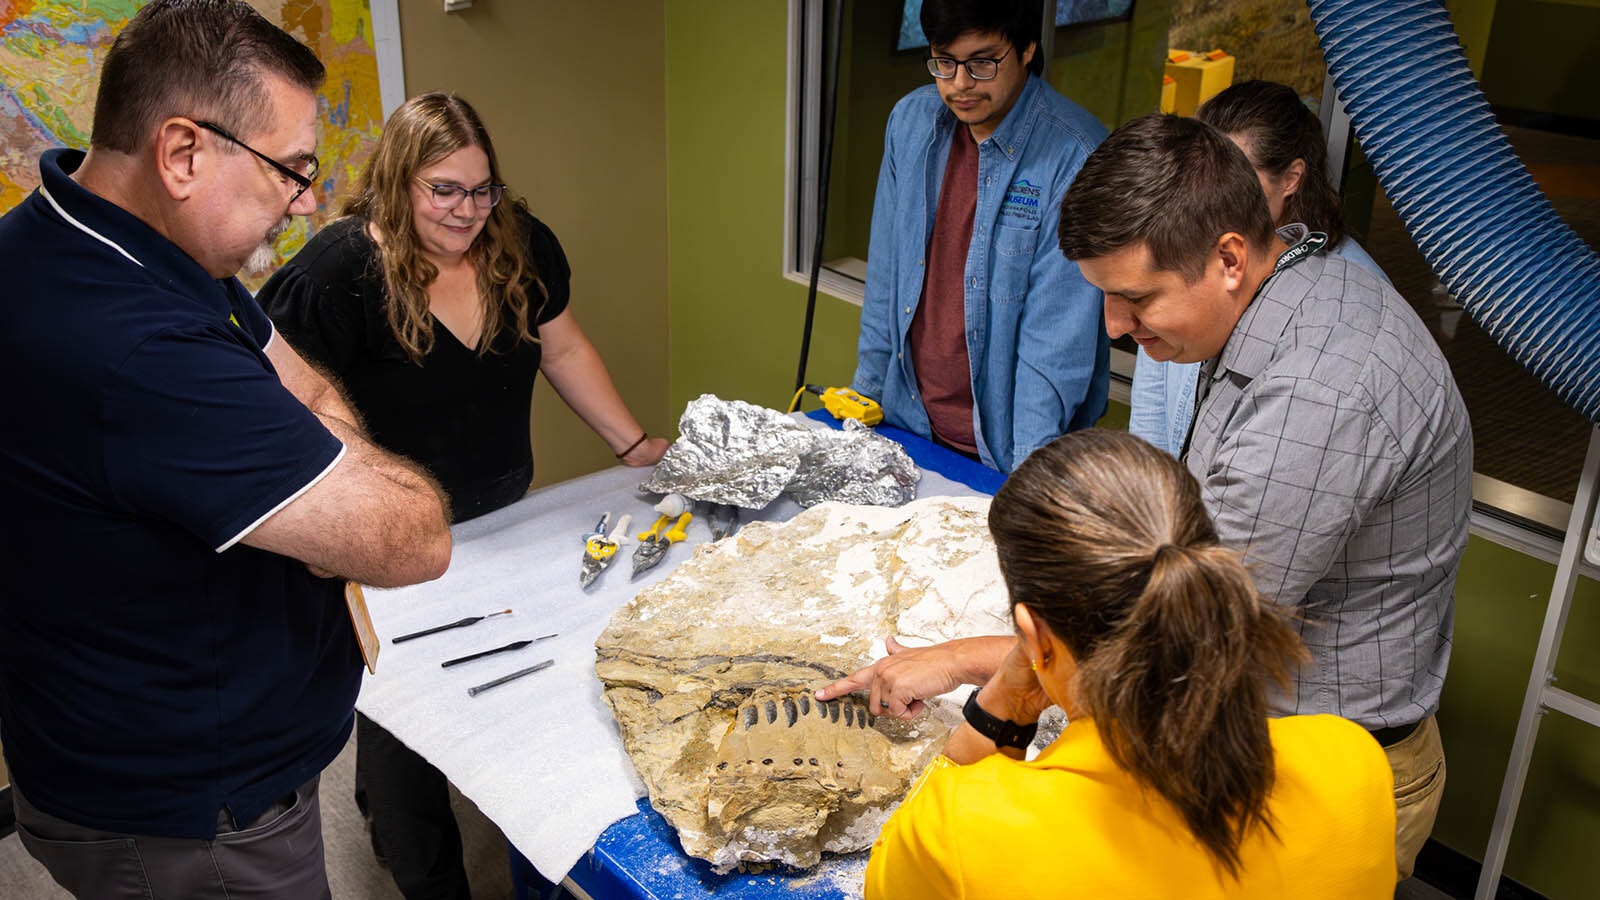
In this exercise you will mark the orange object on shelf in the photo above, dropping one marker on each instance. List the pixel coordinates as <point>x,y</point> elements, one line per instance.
<point>1169,93</point>
<point>1198,76</point>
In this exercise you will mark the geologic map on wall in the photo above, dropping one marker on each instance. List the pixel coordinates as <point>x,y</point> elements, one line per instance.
<point>50,56</point>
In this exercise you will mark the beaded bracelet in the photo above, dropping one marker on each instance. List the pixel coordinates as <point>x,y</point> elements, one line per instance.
<point>633,445</point>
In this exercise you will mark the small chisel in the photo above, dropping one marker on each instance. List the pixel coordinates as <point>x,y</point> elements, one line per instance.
<point>475,691</point>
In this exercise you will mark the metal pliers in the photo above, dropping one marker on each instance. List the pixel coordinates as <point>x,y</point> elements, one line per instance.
<point>723,519</point>
<point>599,550</point>
<point>653,544</point>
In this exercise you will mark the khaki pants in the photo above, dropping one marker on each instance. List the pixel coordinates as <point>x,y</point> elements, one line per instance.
<point>1418,764</point>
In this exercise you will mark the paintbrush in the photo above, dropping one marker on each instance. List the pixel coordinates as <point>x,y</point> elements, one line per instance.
<point>514,645</point>
<point>459,623</point>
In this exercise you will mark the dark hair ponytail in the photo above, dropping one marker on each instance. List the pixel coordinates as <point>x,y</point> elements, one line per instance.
<point>1178,693</point>
<point>1105,540</point>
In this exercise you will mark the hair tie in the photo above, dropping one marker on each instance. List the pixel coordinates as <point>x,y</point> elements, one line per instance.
<point>633,445</point>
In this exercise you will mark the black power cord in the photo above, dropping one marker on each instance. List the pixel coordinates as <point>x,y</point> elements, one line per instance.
<point>830,100</point>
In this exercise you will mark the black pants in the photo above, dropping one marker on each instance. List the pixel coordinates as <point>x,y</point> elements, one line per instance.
<point>409,802</point>
<point>412,822</point>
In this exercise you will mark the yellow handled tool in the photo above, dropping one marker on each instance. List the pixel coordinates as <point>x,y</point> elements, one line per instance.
<point>677,532</point>
<point>598,549</point>
<point>653,544</point>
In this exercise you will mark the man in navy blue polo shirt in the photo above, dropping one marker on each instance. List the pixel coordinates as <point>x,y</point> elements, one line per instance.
<point>183,495</point>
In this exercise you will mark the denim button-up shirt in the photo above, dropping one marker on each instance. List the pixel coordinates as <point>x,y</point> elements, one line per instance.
<point>1035,334</point>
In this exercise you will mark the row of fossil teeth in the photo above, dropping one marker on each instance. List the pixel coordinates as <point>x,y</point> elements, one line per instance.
<point>795,707</point>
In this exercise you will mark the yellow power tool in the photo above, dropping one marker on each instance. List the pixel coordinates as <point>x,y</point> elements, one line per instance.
<point>843,403</point>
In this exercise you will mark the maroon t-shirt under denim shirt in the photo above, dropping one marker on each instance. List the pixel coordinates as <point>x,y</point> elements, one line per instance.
<point>939,328</point>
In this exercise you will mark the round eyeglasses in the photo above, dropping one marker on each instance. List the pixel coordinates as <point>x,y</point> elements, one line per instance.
<point>450,196</point>
<point>980,68</point>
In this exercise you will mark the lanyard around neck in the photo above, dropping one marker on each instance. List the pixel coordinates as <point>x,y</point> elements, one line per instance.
<point>1309,245</point>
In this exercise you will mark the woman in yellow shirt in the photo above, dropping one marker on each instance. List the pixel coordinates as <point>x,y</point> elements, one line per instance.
<point>1170,780</point>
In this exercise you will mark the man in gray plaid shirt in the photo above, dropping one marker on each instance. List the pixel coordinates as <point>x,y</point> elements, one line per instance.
<point>1330,441</point>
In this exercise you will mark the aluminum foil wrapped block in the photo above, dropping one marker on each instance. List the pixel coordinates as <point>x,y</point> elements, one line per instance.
<point>856,465</point>
<point>732,452</point>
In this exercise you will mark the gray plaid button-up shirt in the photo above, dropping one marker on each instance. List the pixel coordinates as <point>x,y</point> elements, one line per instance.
<point>1333,448</point>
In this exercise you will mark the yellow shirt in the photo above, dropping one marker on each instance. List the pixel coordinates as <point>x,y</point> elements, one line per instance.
<point>1070,823</point>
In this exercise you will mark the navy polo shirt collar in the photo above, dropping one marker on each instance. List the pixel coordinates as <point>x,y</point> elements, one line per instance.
<point>125,233</point>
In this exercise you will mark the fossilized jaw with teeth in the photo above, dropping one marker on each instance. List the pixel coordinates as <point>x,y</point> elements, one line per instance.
<point>711,674</point>
<point>790,736</point>
<point>813,757</point>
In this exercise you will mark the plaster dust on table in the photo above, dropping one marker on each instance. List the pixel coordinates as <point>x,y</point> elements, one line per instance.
<point>710,674</point>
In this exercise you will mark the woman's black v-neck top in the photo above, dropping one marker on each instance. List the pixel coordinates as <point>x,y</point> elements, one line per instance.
<point>463,416</point>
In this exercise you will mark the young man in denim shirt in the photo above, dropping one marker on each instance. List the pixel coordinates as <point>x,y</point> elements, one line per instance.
<point>975,331</point>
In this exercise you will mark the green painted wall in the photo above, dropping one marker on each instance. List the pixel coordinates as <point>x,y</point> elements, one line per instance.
<point>1472,20</point>
<point>735,322</point>
<point>1500,604</point>
<point>590,158</point>
<point>735,331</point>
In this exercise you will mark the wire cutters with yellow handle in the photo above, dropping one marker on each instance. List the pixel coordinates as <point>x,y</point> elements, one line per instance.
<point>653,544</point>
<point>598,550</point>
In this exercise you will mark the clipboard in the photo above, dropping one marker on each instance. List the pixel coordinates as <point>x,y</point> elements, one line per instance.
<point>361,621</point>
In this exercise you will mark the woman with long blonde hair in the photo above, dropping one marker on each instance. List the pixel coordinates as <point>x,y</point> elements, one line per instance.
<point>434,300</point>
<point>1169,779</point>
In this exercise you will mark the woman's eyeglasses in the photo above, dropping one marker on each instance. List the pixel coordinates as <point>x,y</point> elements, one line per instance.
<point>450,196</point>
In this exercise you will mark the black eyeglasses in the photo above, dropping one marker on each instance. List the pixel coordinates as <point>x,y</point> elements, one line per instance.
<point>450,196</point>
<point>980,68</point>
<point>305,181</point>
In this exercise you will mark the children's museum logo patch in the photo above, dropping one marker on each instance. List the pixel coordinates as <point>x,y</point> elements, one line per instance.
<point>1021,206</point>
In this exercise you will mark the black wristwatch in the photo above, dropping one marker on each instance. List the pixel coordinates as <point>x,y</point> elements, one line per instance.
<point>1004,732</point>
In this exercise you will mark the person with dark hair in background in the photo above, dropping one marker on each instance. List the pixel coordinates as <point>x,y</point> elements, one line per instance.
<point>1330,442</point>
<point>975,332</point>
<point>1169,779</point>
<point>177,659</point>
<point>1284,141</point>
<point>435,300</point>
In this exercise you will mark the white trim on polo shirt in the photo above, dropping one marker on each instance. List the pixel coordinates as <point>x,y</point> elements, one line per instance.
<point>286,501</point>
<point>86,229</point>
